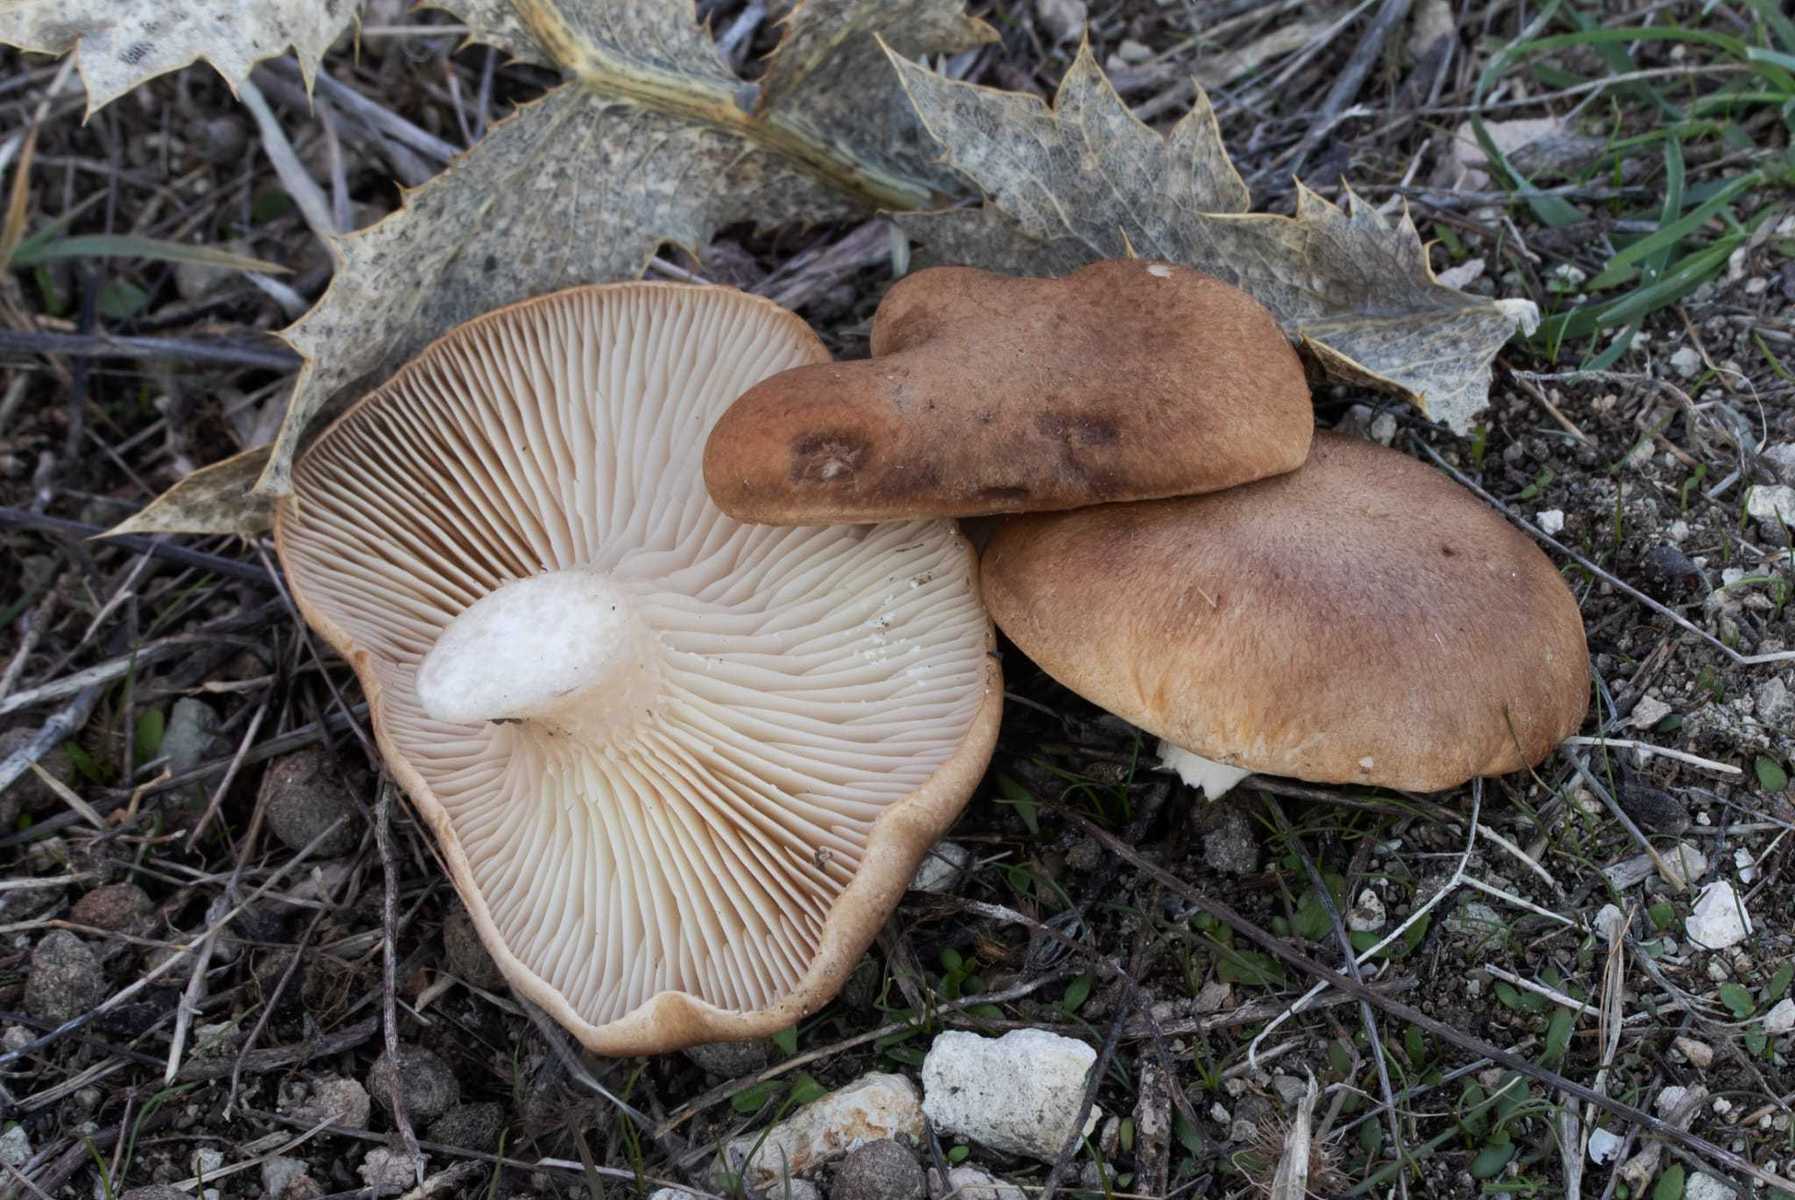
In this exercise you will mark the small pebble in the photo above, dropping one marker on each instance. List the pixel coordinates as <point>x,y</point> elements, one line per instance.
<point>1699,1054</point>
<point>430,1085</point>
<point>304,793</point>
<point>881,1170</point>
<point>731,1060</point>
<point>114,906</point>
<point>1061,20</point>
<point>466,954</point>
<point>65,979</point>
<point>470,1127</point>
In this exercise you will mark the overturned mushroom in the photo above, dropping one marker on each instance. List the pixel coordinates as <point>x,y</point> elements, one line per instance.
<point>1359,620</point>
<point>679,768</point>
<point>1126,380</point>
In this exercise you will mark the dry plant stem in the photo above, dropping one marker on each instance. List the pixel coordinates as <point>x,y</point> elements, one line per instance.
<point>271,1002</point>
<point>554,1037</point>
<point>1673,876</point>
<point>186,949</point>
<point>1351,78</point>
<point>1125,1005</point>
<point>31,629</point>
<point>314,206</point>
<point>1368,1017</point>
<point>497,1160</point>
<point>389,969</point>
<point>58,729</point>
<point>230,774</point>
<point>377,118</point>
<point>22,519</point>
<point>1527,527</point>
<point>196,982</point>
<point>1278,949</point>
<point>113,668</point>
<point>269,356</point>
<point>1646,748</point>
<point>1446,889</point>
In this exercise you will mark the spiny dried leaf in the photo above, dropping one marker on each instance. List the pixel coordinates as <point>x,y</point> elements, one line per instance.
<point>121,43</point>
<point>828,81</point>
<point>1086,180</point>
<point>211,500</point>
<point>565,191</point>
<point>496,23</point>
<point>652,140</point>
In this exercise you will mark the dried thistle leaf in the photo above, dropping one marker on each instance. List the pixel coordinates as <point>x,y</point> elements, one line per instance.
<point>496,23</point>
<point>1086,180</point>
<point>652,140</point>
<point>121,43</point>
<point>211,500</point>
<point>828,80</point>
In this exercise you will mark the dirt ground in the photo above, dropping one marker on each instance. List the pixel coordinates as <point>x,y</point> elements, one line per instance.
<point>208,737</point>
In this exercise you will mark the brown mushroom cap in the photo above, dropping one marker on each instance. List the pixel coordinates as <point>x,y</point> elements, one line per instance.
<point>680,769</point>
<point>1126,380</point>
<point>1361,619</point>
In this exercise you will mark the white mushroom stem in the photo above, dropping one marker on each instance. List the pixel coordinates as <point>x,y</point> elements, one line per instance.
<point>566,651</point>
<point>1215,779</point>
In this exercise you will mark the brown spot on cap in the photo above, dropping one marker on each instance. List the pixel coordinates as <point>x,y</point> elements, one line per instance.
<point>1126,380</point>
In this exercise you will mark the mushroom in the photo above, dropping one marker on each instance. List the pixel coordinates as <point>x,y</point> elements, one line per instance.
<point>1126,380</point>
<point>1359,620</point>
<point>680,769</point>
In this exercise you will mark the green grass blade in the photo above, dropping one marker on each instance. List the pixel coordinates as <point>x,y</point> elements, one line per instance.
<point>124,245</point>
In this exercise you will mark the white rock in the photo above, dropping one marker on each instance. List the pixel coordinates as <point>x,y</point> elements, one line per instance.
<point>941,867</point>
<point>1781,458</point>
<point>1464,170</point>
<point>1719,919</point>
<point>1018,1093</point>
<point>387,1168</point>
<point>1699,1054</point>
<point>670,1194</point>
<point>1551,521</point>
<point>15,1147</point>
<point>1669,1098</point>
<point>1061,20</point>
<point>970,1183</point>
<point>1773,504</point>
<point>1367,915</point>
<point>1648,712</point>
<point>1462,274</point>
<point>207,1161</point>
<point>1703,1186</point>
<point>1686,362</point>
<point>278,1172</point>
<point>1603,1146</point>
<point>1686,865</point>
<point>1475,919</point>
<point>1213,996</point>
<point>1609,922</point>
<point>872,1107</point>
<point>1775,706</point>
<point>1383,428</point>
<point>1748,866</point>
<point>1781,1017</point>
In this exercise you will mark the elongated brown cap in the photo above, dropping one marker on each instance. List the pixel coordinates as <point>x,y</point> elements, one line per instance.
<point>1361,619</point>
<point>680,768</point>
<point>1125,380</point>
